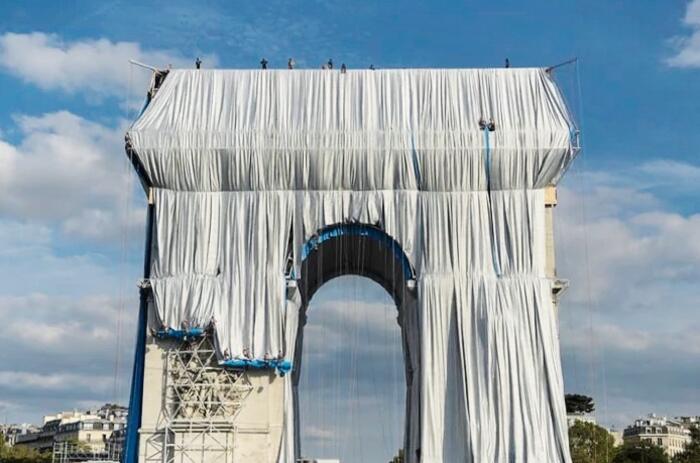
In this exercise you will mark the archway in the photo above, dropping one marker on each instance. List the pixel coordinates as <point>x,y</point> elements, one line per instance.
<point>365,251</point>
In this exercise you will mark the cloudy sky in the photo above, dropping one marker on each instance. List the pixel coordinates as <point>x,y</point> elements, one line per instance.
<point>72,215</point>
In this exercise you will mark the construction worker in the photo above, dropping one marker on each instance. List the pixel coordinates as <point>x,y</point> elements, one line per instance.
<point>198,63</point>
<point>343,69</point>
<point>330,63</point>
<point>291,63</point>
<point>263,63</point>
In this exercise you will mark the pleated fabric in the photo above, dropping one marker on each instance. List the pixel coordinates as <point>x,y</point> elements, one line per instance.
<point>242,160</point>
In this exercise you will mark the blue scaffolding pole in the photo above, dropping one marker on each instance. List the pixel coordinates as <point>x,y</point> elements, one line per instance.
<point>131,444</point>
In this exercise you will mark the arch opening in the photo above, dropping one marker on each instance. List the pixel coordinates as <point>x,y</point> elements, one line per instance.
<point>355,249</point>
<point>361,250</point>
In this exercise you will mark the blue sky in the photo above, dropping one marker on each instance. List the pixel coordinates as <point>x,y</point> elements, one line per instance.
<point>71,213</point>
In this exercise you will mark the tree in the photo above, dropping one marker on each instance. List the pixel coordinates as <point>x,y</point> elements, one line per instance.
<point>691,453</point>
<point>590,443</point>
<point>640,452</point>
<point>19,454</point>
<point>578,404</point>
<point>398,458</point>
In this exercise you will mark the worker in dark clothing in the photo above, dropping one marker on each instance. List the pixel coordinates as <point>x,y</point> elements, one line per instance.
<point>263,63</point>
<point>330,63</point>
<point>371,67</point>
<point>343,68</point>
<point>198,63</point>
<point>507,63</point>
<point>291,63</point>
<point>490,124</point>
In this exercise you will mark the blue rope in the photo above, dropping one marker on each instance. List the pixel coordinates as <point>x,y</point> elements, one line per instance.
<point>494,252</point>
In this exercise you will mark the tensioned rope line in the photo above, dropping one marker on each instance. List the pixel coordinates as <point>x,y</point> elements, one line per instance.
<point>124,243</point>
<point>487,162</point>
<point>597,351</point>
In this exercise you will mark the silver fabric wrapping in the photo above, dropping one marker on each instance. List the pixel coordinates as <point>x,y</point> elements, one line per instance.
<point>238,159</point>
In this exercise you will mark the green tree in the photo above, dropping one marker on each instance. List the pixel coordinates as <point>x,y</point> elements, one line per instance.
<point>691,453</point>
<point>590,443</point>
<point>578,404</point>
<point>640,452</point>
<point>19,454</point>
<point>398,458</point>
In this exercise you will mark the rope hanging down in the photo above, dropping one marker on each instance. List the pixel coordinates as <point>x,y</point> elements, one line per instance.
<point>487,127</point>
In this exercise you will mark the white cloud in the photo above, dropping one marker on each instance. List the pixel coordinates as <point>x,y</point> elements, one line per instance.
<point>95,67</point>
<point>621,229</point>
<point>317,433</point>
<point>63,324</point>
<point>629,322</point>
<point>688,46</point>
<point>71,172</point>
<point>333,325</point>
<point>53,382</point>
<point>672,171</point>
<point>76,348</point>
<point>611,337</point>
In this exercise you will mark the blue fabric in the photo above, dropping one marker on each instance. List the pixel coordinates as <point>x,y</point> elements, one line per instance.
<point>284,366</point>
<point>180,335</point>
<point>354,229</point>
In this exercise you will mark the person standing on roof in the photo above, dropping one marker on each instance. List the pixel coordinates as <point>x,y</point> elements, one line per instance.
<point>343,68</point>
<point>263,63</point>
<point>291,63</point>
<point>198,63</point>
<point>330,63</point>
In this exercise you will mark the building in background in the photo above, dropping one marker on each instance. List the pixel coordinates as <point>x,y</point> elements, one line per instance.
<point>670,434</point>
<point>617,437</point>
<point>11,431</point>
<point>87,433</point>
<point>688,421</point>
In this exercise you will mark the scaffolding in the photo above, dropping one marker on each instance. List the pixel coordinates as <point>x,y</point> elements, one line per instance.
<point>74,452</point>
<point>200,401</point>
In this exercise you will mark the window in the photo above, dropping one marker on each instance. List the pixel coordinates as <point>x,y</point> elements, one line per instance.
<point>660,441</point>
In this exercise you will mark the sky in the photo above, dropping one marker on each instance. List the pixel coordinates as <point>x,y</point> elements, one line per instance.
<point>72,214</point>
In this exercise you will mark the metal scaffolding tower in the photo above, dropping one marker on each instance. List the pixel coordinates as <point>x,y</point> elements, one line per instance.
<point>200,401</point>
<point>74,452</point>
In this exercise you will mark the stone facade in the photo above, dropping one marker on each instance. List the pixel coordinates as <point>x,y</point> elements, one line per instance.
<point>670,434</point>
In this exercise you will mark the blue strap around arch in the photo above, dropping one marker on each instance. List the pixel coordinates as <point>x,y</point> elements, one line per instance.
<point>358,229</point>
